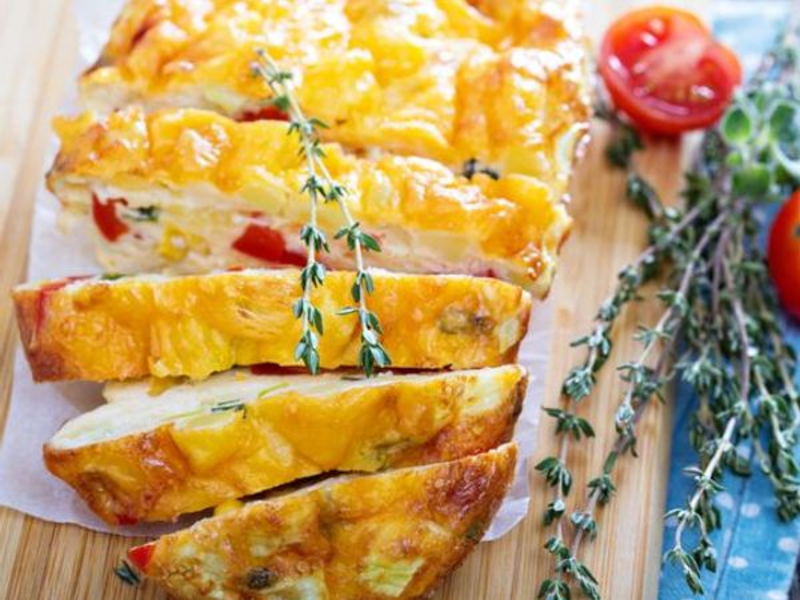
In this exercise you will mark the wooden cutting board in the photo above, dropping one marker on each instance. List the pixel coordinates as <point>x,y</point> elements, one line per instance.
<point>40,560</point>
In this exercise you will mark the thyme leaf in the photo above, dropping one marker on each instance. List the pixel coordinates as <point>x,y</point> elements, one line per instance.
<point>145,213</point>
<point>473,166</point>
<point>229,406</point>
<point>127,574</point>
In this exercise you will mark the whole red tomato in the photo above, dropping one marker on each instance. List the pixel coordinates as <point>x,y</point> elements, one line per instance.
<point>784,254</point>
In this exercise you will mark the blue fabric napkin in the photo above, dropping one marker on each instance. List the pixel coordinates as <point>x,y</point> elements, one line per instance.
<point>757,553</point>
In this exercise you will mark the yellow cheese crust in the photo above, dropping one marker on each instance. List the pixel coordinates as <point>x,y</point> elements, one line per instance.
<point>503,81</point>
<point>197,325</point>
<point>217,453</point>
<point>392,535</point>
<point>512,227</point>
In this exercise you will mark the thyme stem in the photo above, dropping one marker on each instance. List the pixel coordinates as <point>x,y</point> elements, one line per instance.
<point>708,473</point>
<point>668,325</point>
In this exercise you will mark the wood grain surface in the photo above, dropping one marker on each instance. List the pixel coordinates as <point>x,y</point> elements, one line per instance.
<point>40,560</point>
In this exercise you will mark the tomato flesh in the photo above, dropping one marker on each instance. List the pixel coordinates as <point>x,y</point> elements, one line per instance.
<point>126,520</point>
<point>46,291</point>
<point>259,241</point>
<point>273,369</point>
<point>266,113</point>
<point>105,217</point>
<point>665,71</point>
<point>140,556</point>
<point>783,254</point>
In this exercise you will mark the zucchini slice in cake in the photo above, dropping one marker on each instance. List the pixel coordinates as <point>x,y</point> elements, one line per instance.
<point>502,81</point>
<point>390,535</point>
<point>187,191</point>
<point>129,328</point>
<point>198,445</point>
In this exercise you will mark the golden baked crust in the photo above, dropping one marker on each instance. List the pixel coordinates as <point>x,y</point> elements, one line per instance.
<point>186,455</point>
<point>427,218</point>
<point>391,535</point>
<point>196,325</point>
<point>503,81</point>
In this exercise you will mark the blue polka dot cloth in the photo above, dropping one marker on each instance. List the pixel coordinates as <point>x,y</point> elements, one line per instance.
<point>756,552</point>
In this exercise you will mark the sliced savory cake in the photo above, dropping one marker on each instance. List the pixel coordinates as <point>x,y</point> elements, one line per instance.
<point>501,81</point>
<point>188,191</point>
<point>198,445</point>
<point>389,535</point>
<point>104,328</point>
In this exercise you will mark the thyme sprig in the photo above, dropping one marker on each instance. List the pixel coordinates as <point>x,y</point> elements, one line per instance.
<point>320,186</point>
<point>581,381</point>
<point>720,315</point>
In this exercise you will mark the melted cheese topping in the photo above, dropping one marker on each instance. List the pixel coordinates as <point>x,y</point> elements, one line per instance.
<point>197,445</point>
<point>389,535</point>
<point>202,170</point>
<point>503,81</point>
<point>197,325</point>
<point>134,408</point>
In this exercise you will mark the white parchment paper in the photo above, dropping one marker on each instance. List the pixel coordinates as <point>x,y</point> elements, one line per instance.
<point>37,411</point>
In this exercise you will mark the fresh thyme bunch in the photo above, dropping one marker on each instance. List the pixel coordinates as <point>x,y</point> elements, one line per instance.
<point>320,186</point>
<point>719,330</point>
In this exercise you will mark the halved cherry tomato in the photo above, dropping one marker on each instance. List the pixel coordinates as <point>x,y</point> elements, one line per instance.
<point>266,113</point>
<point>665,71</point>
<point>783,254</point>
<point>106,219</point>
<point>259,241</point>
<point>140,556</point>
